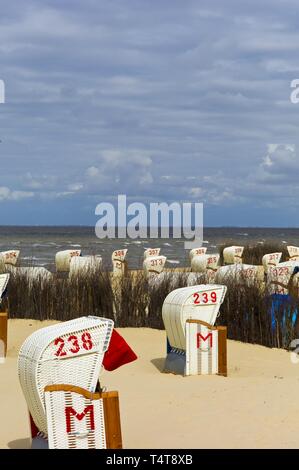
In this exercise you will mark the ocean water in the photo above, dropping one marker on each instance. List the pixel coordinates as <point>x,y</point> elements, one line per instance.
<point>38,245</point>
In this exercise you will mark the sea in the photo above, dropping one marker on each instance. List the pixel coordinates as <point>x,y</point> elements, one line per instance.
<point>39,244</point>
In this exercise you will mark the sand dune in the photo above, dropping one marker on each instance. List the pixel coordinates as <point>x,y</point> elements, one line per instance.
<point>255,406</point>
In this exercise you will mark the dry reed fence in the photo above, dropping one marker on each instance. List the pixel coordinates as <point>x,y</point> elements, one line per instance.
<point>131,301</point>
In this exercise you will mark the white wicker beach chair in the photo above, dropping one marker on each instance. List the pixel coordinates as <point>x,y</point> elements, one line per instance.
<point>71,353</point>
<point>197,252</point>
<point>293,252</point>
<point>271,259</point>
<point>201,302</point>
<point>10,257</point>
<point>63,259</point>
<point>153,265</point>
<point>233,254</point>
<point>278,277</point>
<point>202,263</point>
<point>4,278</point>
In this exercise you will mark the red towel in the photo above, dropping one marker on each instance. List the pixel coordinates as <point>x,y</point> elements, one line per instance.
<point>118,353</point>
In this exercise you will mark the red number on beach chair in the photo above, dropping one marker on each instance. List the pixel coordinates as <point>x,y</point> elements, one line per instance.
<point>73,339</point>
<point>204,297</point>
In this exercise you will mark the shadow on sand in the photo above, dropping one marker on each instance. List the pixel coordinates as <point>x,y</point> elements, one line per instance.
<point>159,363</point>
<point>20,444</point>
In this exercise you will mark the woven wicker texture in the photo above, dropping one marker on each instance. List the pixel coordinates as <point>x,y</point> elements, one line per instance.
<point>201,350</point>
<point>74,421</point>
<point>71,352</point>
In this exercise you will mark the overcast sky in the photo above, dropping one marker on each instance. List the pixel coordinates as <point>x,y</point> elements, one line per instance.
<point>159,100</point>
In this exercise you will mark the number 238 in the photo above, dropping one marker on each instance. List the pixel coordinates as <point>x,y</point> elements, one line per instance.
<point>86,343</point>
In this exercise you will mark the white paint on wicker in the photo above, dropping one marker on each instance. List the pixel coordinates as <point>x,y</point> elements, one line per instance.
<point>118,261</point>
<point>194,302</point>
<point>38,364</point>
<point>271,259</point>
<point>10,257</point>
<point>293,252</point>
<point>63,259</point>
<point>233,254</point>
<point>278,277</point>
<point>202,263</point>
<point>197,252</point>
<point>65,430</point>
<point>201,350</point>
<point>154,264</point>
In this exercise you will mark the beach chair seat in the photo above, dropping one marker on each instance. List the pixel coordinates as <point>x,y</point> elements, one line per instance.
<point>70,352</point>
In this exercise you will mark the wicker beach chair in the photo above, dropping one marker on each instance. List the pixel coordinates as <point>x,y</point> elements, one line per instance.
<point>119,263</point>
<point>233,254</point>
<point>10,257</point>
<point>153,265</point>
<point>70,353</point>
<point>63,259</point>
<point>271,259</point>
<point>198,303</point>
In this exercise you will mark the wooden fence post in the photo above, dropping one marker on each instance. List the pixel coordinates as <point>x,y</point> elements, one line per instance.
<point>3,331</point>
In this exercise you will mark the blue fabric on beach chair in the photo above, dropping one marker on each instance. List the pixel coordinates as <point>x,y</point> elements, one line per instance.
<point>282,303</point>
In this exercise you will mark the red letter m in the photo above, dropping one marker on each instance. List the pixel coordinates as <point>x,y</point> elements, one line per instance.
<point>204,338</point>
<point>69,411</point>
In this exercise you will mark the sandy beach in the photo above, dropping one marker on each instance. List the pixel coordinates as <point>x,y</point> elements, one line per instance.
<point>255,406</point>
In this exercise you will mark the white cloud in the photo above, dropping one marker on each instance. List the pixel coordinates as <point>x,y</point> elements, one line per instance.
<point>7,194</point>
